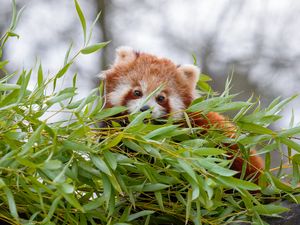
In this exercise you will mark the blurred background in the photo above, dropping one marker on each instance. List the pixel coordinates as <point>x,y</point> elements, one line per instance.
<point>258,41</point>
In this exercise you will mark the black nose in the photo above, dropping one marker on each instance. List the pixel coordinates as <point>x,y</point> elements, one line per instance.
<point>144,108</point>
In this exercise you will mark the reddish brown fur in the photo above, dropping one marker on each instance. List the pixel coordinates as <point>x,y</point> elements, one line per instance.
<point>254,163</point>
<point>160,71</point>
<point>155,71</point>
<point>129,96</point>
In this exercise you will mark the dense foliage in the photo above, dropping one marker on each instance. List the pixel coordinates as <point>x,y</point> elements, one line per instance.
<point>73,172</point>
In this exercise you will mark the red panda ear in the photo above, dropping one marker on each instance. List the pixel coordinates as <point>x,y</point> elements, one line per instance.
<point>125,55</point>
<point>191,73</point>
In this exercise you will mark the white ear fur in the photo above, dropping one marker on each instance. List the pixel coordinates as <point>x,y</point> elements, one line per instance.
<point>125,55</point>
<point>102,75</point>
<point>191,73</point>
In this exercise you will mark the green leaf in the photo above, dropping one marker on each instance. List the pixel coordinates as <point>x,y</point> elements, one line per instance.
<point>237,183</point>
<point>105,113</point>
<point>152,151</point>
<point>71,145</point>
<point>93,204</point>
<point>14,15</point>
<point>101,165</point>
<point>231,106</point>
<point>194,143</point>
<point>296,158</point>
<point>215,168</point>
<point>208,151</point>
<point>161,131</point>
<point>40,76</point>
<point>66,188</point>
<point>139,119</point>
<point>203,86</point>
<point>188,205</point>
<point>110,158</point>
<point>277,106</point>
<point>52,165</point>
<point>92,27</point>
<point>10,199</point>
<point>209,104</point>
<point>26,162</point>
<point>133,146</point>
<point>112,142</point>
<point>52,209</point>
<point>93,48</point>
<point>290,143</point>
<point>204,77</point>
<point>290,132</point>
<point>3,63</point>
<point>254,128</point>
<point>88,99</point>
<point>81,18</point>
<point>63,70</point>
<point>154,187</point>
<point>9,87</point>
<point>12,34</point>
<point>188,169</point>
<point>270,209</point>
<point>68,54</point>
<point>33,139</point>
<point>73,201</point>
<point>278,184</point>
<point>139,214</point>
<point>60,98</point>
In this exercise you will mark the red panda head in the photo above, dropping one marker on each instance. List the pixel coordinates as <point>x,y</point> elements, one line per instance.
<point>134,81</point>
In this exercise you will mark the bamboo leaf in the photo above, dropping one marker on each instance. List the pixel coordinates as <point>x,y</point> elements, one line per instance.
<point>73,201</point>
<point>237,183</point>
<point>290,132</point>
<point>9,87</point>
<point>269,209</point>
<point>32,140</point>
<point>82,19</point>
<point>139,214</point>
<point>188,169</point>
<point>254,128</point>
<point>101,165</point>
<point>40,76</point>
<point>215,168</point>
<point>154,187</point>
<point>10,199</point>
<point>161,131</point>
<point>105,113</point>
<point>290,143</point>
<point>208,151</point>
<point>93,48</point>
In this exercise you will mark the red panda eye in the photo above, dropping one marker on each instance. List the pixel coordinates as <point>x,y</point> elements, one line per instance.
<point>137,93</point>
<point>160,98</point>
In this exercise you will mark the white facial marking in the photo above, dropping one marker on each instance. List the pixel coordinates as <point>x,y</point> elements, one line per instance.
<point>116,96</point>
<point>177,106</point>
<point>157,110</point>
<point>134,105</point>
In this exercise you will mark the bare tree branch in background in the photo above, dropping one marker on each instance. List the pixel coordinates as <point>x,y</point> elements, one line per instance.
<point>103,7</point>
<point>5,12</point>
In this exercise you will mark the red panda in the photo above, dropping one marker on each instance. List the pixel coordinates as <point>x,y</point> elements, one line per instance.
<point>134,76</point>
